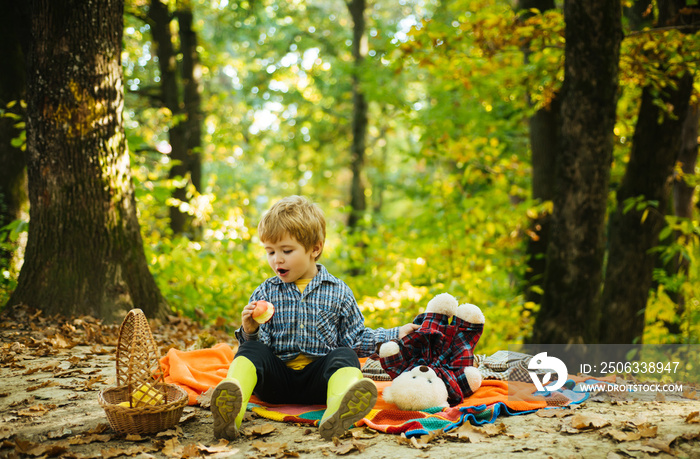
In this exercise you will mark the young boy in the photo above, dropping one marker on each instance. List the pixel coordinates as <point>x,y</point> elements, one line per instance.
<point>308,352</point>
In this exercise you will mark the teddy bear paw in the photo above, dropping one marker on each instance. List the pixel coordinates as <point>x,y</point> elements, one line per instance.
<point>388,349</point>
<point>444,303</point>
<point>470,313</point>
<point>473,378</point>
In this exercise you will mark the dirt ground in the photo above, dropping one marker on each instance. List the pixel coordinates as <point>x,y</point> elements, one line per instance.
<point>51,374</point>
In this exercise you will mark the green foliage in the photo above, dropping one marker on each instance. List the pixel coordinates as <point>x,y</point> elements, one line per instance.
<point>449,86</point>
<point>10,236</point>
<point>447,161</point>
<point>679,243</point>
<point>10,112</point>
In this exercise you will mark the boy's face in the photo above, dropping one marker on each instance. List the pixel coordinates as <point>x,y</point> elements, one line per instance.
<point>290,260</point>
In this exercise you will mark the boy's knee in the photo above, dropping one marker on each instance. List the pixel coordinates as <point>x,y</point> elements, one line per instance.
<point>250,345</point>
<point>346,356</point>
<point>253,350</point>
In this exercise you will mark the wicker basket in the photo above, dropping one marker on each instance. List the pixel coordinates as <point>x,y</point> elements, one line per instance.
<point>153,406</point>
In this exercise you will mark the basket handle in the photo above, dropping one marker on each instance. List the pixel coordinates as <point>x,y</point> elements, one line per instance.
<point>138,359</point>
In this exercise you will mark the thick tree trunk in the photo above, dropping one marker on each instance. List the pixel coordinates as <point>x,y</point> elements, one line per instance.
<point>649,176</point>
<point>13,173</point>
<point>84,250</point>
<point>634,232</point>
<point>358,202</point>
<point>570,306</point>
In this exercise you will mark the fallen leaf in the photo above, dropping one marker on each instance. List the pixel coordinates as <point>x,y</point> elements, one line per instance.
<point>87,439</point>
<point>639,420</point>
<point>188,415</point>
<point>221,447</point>
<point>42,385</point>
<point>50,450</point>
<point>36,410</point>
<point>363,433</point>
<point>588,421</point>
<point>412,442</point>
<point>273,449</point>
<point>259,431</point>
<point>99,428</point>
<point>621,436</point>
<point>124,452</point>
<point>471,433</point>
<point>174,432</point>
<point>343,448</point>
<point>170,447</point>
<point>190,450</point>
<point>647,430</point>
<point>662,444</point>
<point>204,399</point>
<point>693,417</point>
<point>61,342</point>
<point>494,429</point>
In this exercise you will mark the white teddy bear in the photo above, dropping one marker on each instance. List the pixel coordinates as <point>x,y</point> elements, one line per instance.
<point>416,390</point>
<point>433,366</point>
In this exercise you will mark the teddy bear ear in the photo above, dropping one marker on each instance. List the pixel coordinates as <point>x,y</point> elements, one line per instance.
<point>470,313</point>
<point>388,349</point>
<point>444,303</point>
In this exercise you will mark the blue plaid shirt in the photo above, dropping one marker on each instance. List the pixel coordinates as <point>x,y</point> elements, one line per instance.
<point>323,318</point>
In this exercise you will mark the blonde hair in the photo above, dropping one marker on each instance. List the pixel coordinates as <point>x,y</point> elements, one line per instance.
<point>299,218</point>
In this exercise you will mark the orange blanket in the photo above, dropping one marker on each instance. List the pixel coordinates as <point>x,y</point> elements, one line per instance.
<point>197,371</point>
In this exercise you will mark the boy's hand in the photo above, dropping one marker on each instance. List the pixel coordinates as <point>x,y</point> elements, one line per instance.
<point>408,328</point>
<point>250,326</point>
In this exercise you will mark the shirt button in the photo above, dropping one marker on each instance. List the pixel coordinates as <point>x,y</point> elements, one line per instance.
<point>301,326</point>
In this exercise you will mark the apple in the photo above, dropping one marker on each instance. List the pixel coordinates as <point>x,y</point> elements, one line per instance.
<point>263,311</point>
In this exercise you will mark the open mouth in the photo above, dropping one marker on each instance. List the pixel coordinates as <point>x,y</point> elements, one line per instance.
<point>282,272</point>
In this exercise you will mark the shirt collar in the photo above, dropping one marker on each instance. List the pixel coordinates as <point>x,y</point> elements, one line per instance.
<point>321,276</point>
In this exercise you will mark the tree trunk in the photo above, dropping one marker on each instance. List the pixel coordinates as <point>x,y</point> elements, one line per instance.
<point>84,250</point>
<point>687,157</point>
<point>170,97</point>
<point>544,129</point>
<point>192,94</point>
<point>192,124</point>
<point>683,203</point>
<point>13,173</point>
<point>358,202</point>
<point>634,232</point>
<point>570,305</point>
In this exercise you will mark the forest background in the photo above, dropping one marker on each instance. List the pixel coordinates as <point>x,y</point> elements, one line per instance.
<point>451,144</point>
